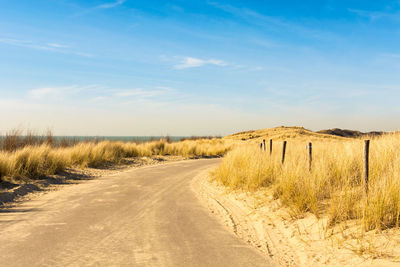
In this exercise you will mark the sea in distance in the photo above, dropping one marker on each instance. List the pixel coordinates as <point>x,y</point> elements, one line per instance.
<point>137,139</point>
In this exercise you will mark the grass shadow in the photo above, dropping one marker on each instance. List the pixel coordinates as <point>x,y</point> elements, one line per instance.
<point>12,192</point>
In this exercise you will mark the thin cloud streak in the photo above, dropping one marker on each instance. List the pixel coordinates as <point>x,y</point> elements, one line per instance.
<point>28,44</point>
<point>272,23</point>
<point>136,94</point>
<point>57,45</point>
<point>191,62</point>
<point>375,15</point>
<point>50,92</point>
<point>111,5</point>
<point>51,47</point>
<point>139,92</point>
<point>60,91</point>
<point>86,11</point>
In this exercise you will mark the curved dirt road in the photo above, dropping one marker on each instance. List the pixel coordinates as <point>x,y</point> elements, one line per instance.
<point>142,217</point>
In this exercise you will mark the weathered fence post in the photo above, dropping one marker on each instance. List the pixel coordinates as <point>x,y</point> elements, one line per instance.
<point>264,145</point>
<point>283,151</point>
<point>270,146</point>
<point>309,156</point>
<point>366,164</point>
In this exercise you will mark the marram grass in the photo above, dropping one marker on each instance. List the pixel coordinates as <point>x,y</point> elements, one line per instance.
<point>33,162</point>
<point>334,186</point>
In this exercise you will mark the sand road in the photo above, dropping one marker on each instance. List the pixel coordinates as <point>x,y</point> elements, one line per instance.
<point>143,217</point>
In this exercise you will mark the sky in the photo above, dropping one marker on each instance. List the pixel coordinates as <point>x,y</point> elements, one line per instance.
<point>147,67</point>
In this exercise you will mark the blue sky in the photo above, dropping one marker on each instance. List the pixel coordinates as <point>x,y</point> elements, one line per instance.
<point>198,67</point>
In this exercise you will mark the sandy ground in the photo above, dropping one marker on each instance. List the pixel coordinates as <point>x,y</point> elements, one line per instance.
<point>262,222</point>
<point>147,216</point>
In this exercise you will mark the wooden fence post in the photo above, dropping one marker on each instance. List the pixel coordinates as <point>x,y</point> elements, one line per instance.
<point>366,164</point>
<point>261,146</point>
<point>264,145</point>
<point>283,151</point>
<point>270,146</point>
<point>309,156</point>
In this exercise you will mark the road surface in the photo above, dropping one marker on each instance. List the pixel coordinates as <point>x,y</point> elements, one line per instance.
<point>142,217</point>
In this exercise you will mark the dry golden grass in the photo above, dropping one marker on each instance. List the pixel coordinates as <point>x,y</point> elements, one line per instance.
<point>33,162</point>
<point>333,187</point>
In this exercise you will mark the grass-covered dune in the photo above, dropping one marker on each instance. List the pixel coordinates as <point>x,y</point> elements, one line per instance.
<point>284,132</point>
<point>279,133</point>
<point>334,186</point>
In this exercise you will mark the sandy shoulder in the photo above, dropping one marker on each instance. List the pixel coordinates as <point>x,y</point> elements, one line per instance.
<point>262,222</point>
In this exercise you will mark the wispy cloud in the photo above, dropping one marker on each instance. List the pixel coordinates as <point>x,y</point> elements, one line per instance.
<point>142,93</point>
<point>57,45</point>
<point>98,93</point>
<point>135,94</point>
<point>383,60</point>
<point>273,23</point>
<point>86,11</point>
<point>246,13</point>
<point>395,55</point>
<point>375,15</point>
<point>111,5</point>
<point>51,47</point>
<point>391,55</point>
<point>44,92</point>
<point>26,43</point>
<point>191,62</point>
<point>60,91</point>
